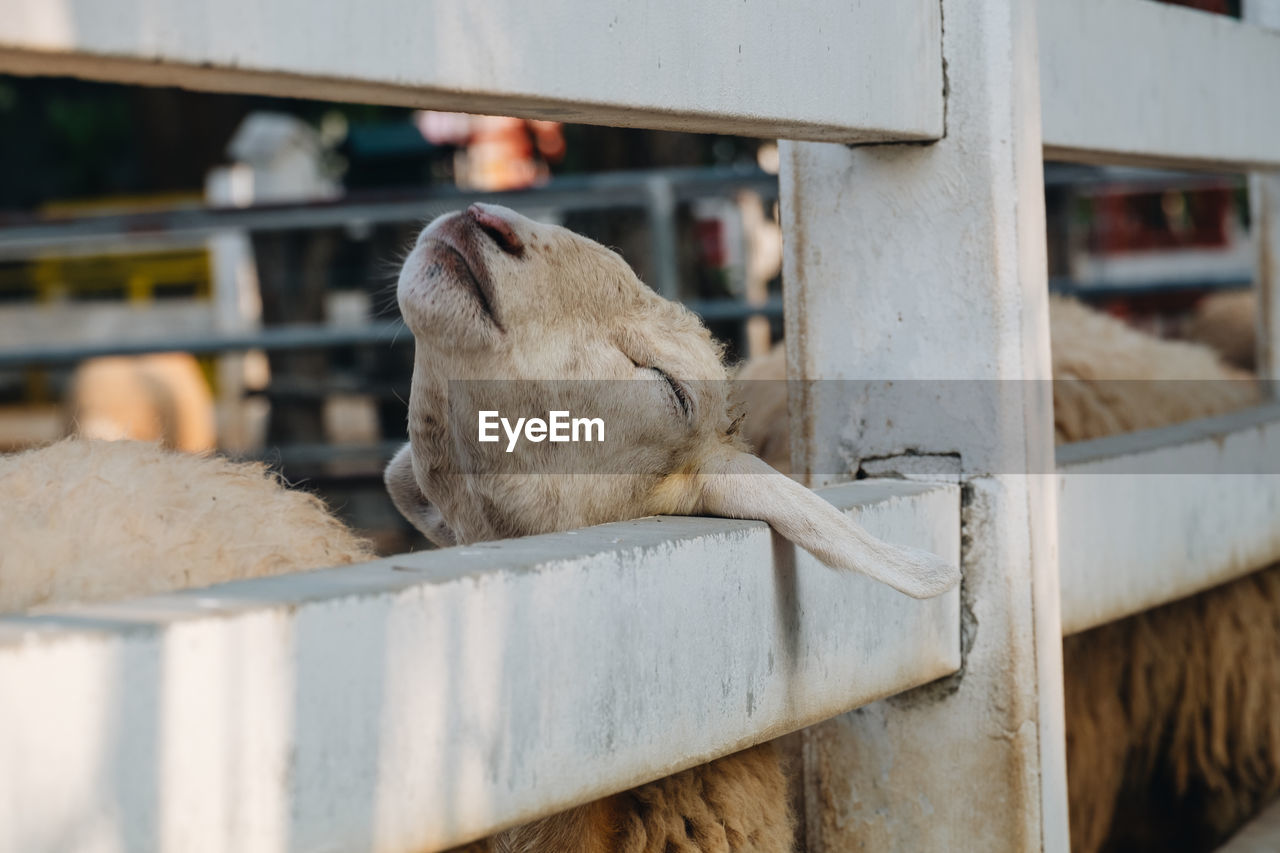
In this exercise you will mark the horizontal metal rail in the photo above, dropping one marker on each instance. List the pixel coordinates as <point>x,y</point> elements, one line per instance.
<point>1089,178</point>
<point>754,69</point>
<point>23,236</point>
<point>276,338</point>
<point>428,699</point>
<point>301,337</point>
<point>306,454</point>
<point>21,239</point>
<point>1260,835</point>
<point>1154,516</point>
<point>1131,81</point>
<point>1100,287</point>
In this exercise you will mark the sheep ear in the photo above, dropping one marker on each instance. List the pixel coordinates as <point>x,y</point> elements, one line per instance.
<point>408,498</point>
<point>739,485</point>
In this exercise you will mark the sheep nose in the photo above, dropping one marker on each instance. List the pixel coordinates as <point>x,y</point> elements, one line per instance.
<point>502,232</point>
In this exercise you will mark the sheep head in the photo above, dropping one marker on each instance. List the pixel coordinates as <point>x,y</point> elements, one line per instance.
<point>520,318</point>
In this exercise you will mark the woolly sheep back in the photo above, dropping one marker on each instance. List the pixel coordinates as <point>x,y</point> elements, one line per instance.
<point>1227,322</point>
<point>98,520</point>
<point>1110,378</point>
<point>737,803</point>
<point>1173,740</point>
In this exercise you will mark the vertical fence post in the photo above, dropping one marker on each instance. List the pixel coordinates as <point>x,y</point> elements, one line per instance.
<point>1264,197</point>
<point>1264,200</point>
<point>909,262</point>
<point>237,307</point>
<point>664,241</point>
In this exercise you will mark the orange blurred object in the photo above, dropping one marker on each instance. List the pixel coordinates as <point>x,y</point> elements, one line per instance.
<point>502,153</point>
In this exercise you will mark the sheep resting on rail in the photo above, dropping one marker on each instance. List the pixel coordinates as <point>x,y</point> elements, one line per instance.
<point>1173,735</point>
<point>563,324</point>
<point>486,293</point>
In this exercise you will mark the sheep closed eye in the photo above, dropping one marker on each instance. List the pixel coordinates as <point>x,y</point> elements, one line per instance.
<point>678,391</point>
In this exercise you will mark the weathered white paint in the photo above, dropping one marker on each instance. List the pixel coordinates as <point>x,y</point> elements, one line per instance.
<point>1262,13</point>
<point>1142,82</point>
<point>423,700</point>
<point>811,70</point>
<point>1260,835</point>
<point>1151,517</point>
<point>908,263</point>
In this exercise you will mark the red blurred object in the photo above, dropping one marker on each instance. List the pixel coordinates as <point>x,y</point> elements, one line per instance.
<point>710,237</point>
<point>1127,221</point>
<point>1221,7</point>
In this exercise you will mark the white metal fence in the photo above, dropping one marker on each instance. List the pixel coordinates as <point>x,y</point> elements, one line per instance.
<point>432,698</point>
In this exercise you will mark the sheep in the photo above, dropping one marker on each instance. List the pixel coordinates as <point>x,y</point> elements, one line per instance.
<point>156,397</point>
<point>1111,379</point>
<point>1173,740</point>
<point>1228,323</point>
<point>1169,746</point>
<point>491,295</point>
<point>92,520</point>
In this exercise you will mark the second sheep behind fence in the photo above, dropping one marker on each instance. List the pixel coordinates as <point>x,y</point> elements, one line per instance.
<point>1172,736</point>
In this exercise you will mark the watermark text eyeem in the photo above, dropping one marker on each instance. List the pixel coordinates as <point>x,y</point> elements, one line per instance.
<point>559,426</point>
